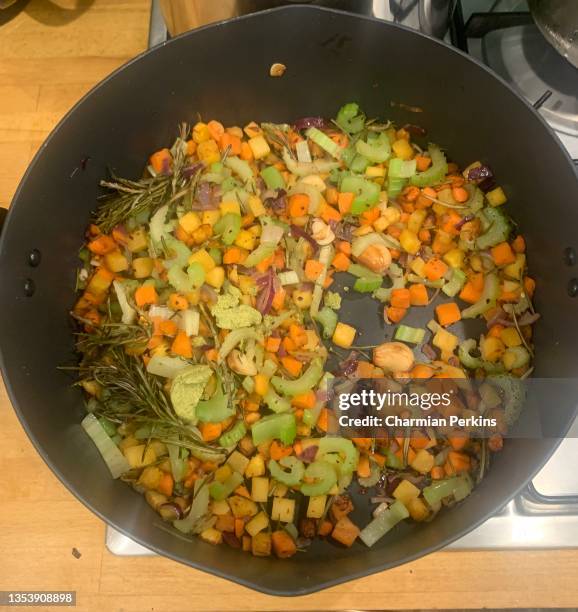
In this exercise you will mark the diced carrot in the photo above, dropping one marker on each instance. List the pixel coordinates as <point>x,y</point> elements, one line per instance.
<point>460,194</point>
<point>288,344</point>
<point>146,294</point>
<point>368,217</point>
<point>232,255</point>
<point>305,400</point>
<point>458,442</point>
<point>470,293</point>
<point>277,450</point>
<point>437,472</point>
<point>341,262</point>
<point>166,484</point>
<point>411,193</point>
<point>178,302</point>
<point>328,280</point>
<point>298,205</point>
<point>328,213</point>
<point>519,244</point>
<point>246,152</point>
<point>529,286</point>
<point>279,299</point>
<point>292,365</point>
<point>272,344</point>
<point>421,370</point>
<point>102,245</point>
<point>400,298</point>
<point>379,459</point>
<point>331,195</point>
<point>434,269</point>
<point>344,247</point>
<point>325,528</point>
<point>181,235</point>
<point>422,163</point>
<point>191,147</point>
<point>239,527</point>
<point>212,354</point>
<point>450,221</point>
<point>509,296</point>
<point>364,369</point>
<point>363,468</point>
<point>345,532</point>
<point>418,295</point>
<point>495,330</point>
<point>182,345</point>
<point>363,444</point>
<point>283,544</point>
<point>394,231</point>
<point>395,315</point>
<point>424,236</point>
<point>344,202</point>
<point>325,419</point>
<point>502,254</point>
<point>160,160</point>
<point>448,314</point>
<point>313,269</point>
<point>210,431</point>
<point>460,462</point>
<point>216,129</point>
<point>266,263</point>
<point>169,328</point>
<point>298,334</point>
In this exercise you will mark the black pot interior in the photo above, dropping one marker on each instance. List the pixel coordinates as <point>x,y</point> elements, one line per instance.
<point>223,72</point>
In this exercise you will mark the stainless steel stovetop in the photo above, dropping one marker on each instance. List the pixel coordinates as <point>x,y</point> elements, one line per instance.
<point>545,515</point>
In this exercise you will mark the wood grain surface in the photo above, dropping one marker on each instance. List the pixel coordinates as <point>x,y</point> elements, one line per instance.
<point>51,53</point>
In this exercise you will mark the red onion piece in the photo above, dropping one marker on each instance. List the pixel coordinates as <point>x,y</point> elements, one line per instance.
<point>428,351</point>
<point>415,130</point>
<point>268,284</point>
<point>308,454</point>
<point>190,171</point>
<point>307,122</point>
<point>301,233</point>
<point>464,220</point>
<point>479,173</point>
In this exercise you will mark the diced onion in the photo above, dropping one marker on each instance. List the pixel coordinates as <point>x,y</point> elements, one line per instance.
<point>163,365</point>
<point>303,153</point>
<point>190,321</point>
<point>272,233</point>
<point>128,312</point>
<point>114,459</point>
<point>288,278</point>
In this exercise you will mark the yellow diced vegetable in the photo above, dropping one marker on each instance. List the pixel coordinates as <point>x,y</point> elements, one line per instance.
<point>283,510</point>
<point>116,261</point>
<point>256,206</point>
<point>510,337</point>
<point>212,536</point>
<point>259,489</point>
<point>261,384</point>
<point>142,267</point>
<point>454,258</point>
<point>202,256</point>
<point>516,270</point>
<point>375,172</point>
<point>216,277</point>
<point>220,507</point>
<point>190,222</point>
<point>245,240</point>
<point>344,335</point>
<point>230,206</point>
<point>257,524</point>
<point>423,461</point>
<point>208,152</point>
<point>140,455</point>
<point>418,509</point>
<point>222,473</point>
<point>417,266</point>
<point>405,492</point>
<point>316,506</point>
<point>409,241</point>
<point>259,146</point>
<point>256,467</point>
<point>238,462</point>
<point>445,341</point>
<point>242,507</point>
<point>496,197</point>
<point>491,348</point>
<point>302,298</point>
<point>416,220</point>
<point>150,477</point>
<point>137,241</point>
<point>260,544</point>
<point>210,217</point>
<point>402,149</point>
<point>201,132</point>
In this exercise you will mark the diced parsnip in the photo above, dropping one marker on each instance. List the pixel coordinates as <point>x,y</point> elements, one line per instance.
<point>242,507</point>
<point>220,507</point>
<point>257,524</point>
<point>418,509</point>
<point>139,456</point>
<point>283,544</point>
<point>260,544</point>
<point>222,473</point>
<point>137,241</point>
<point>142,267</point>
<point>225,522</point>
<point>405,492</point>
<point>190,222</point>
<point>212,536</point>
<point>283,509</point>
<point>259,489</point>
<point>345,531</point>
<point>256,467</point>
<point>202,256</point>
<point>150,477</point>
<point>423,461</point>
<point>316,506</point>
<point>238,462</point>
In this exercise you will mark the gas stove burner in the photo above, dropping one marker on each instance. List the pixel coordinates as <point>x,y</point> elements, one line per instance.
<point>523,58</point>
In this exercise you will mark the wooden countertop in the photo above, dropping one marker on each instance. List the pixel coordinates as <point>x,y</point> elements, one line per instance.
<point>51,54</point>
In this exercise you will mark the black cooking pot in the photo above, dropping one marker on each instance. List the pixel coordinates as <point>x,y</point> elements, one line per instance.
<point>222,71</point>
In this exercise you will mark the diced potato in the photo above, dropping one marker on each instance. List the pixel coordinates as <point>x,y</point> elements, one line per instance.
<point>208,152</point>
<point>375,172</point>
<point>409,241</point>
<point>256,206</point>
<point>283,544</point>
<point>245,240</point>
<point>402,149</point>
<point>496,197</point>
<point>510,337</point>
<point>201,132</point>
<point>202,256</point>
<point>259,488</point>
<point>159,448</point>
<point>212,536</point>
<point>316,506</point>
<point>138,457</point>
<point>302,298</point>
<point>137,241</point>
<point>238,462</point>
<point>345,531</point>
<point>256,467</point>
<point>232,206</point>
<point>216,277</point>
<point>279,490</point>
<point>210,217</point>
<point>223,472</point>
<point>150,477</point>
<point>418,509</point>
<point>246,543</point>
<point>127,443</point>
<point>405,492</point>
<point>142,267</point>
<point>416,220</point>
<point>423,461</point>
<point>259,147</point>
<point>116,261</point>
<point>344,335</point>
<point>417,266</point>
<point>491,348</point>
<point>454,258</point>
<point>225,522</point>
<point>445,341</point>
<point>242,507</point>
<point>220,507</point>
<point>516,270</point>
<point>257,524</point>
<point>283,509</point>
<point>190,222</point>
<point>261,544</point>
